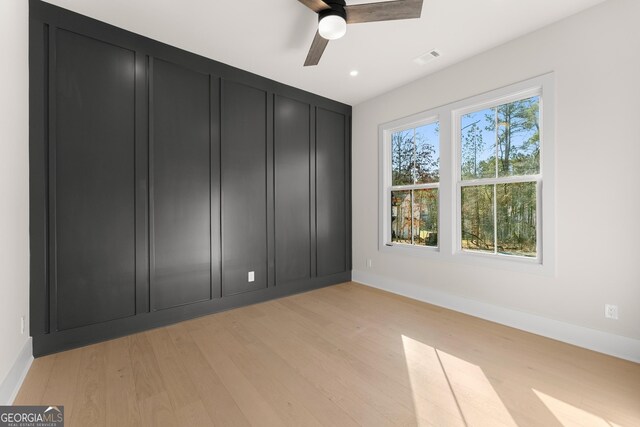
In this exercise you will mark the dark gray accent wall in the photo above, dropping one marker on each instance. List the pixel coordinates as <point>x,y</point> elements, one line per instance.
<point>244,184</point>
<point>92,204</point>
<point>160,179</point>
<point>180,167</point>
<point>331,193</point>
<point>293,156</point>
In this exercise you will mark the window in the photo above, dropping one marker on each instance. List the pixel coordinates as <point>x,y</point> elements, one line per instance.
<point>473,180</point>
<point>415,176</point>
<point>499,176</point>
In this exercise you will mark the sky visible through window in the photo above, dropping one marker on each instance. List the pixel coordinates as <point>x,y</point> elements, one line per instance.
<point>415,155</point>
<point>430,134</point>
<point>513,128</point>
<point>478,124</point>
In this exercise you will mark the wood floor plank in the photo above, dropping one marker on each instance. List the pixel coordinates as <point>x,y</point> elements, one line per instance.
<point>193,414</point>
<point>252,404</point>
<point>89,405</point>
<point>146,372</point>
<point>286,403</point>
<point>178,384</point>
<point>122,408</point>
<point>344,355</point>
<point>156,411</point>
<point>325,410</point>
<point>63,383</point>
<point>353,397</point>
<point>215,397</point>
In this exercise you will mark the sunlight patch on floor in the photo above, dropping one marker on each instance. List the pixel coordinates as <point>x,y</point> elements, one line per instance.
<point>569,415</point>
<point>459,387</point>
<point>429,385</point>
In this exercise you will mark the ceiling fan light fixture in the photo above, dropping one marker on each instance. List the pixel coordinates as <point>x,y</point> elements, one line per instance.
<point>334,15</point>
<point>332,24</point>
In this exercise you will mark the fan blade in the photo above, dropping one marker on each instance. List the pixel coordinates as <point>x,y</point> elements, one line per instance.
<point>315,5</point>
<point>383,11</point>
<point>316,50</point>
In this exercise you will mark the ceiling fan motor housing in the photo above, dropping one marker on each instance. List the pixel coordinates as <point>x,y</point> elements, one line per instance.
<point>336,8</point>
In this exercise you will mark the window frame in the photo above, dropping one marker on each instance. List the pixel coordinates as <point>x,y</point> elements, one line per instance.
<point>412,122</point>
<point>449,189</point>
<point>460,182</point>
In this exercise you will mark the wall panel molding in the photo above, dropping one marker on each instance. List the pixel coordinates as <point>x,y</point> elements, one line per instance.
<point>158,201</point>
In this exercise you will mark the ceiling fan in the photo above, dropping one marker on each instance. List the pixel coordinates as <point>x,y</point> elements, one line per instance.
<point>334,15</point>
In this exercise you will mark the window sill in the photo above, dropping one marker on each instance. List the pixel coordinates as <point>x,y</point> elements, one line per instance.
<point>410,249</point>
<point>486,260</point>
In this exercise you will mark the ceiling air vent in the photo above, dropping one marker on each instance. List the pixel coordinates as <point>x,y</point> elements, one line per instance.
<point>423,59</point>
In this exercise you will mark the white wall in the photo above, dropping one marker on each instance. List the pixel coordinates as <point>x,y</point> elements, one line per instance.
<point>14,182</point>
<point>596,59</point>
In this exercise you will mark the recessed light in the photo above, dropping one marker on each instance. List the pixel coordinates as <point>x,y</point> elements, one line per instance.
<point>353,73</point>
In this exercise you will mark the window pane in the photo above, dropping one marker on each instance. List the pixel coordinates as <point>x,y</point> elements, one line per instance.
<point>401,216</point>
<point>402,149</point>
<point>517,220</point>
<point>477,218</point>
<point>427,163</point>
<point>519,137</point>
<point>478,144</point>
<point>425,217</point>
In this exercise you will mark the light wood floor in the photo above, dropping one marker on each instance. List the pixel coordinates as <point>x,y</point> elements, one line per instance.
<point>340,356</point>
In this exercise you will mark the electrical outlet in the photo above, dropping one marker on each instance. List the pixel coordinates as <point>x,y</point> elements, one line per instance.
<point>369,263</point>
<point>22,325</point>
<point>611,311</point>
<point>252,276</point>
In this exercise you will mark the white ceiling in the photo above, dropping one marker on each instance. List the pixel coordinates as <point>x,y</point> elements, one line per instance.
<point>271,37</point>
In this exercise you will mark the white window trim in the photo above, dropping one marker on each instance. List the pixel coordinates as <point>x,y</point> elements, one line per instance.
<point>389,188</point>
<point>449,189</point>
<point>385,132</point>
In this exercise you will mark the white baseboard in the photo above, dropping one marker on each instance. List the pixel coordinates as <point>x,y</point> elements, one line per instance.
<point>11,384</point>
<point>603,342</point>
